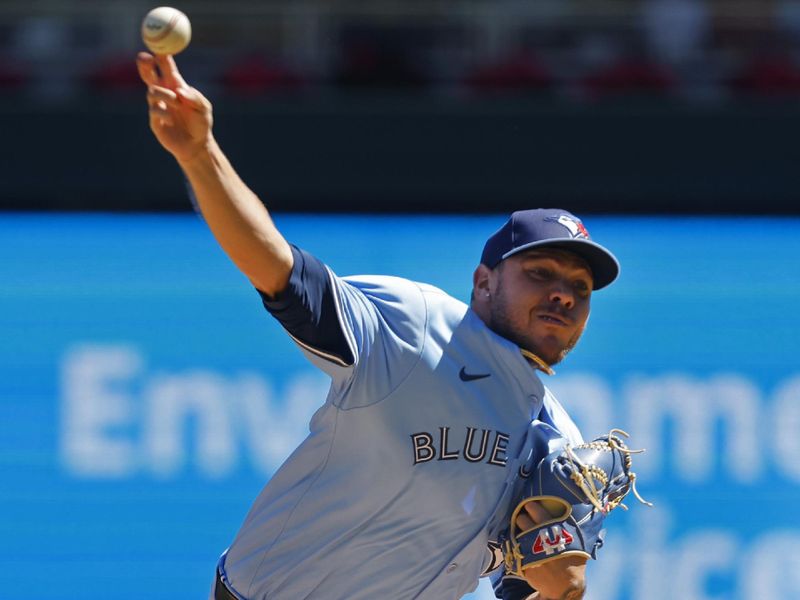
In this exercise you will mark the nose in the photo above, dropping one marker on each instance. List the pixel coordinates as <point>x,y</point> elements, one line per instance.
<point>562,293</point>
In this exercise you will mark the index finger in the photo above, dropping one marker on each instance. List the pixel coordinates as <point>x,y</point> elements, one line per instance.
<point>146,66</point>
<point>537,512</point>
<point>170,76</point>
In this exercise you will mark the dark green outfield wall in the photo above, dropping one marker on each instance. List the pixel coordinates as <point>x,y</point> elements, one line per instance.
<point>418,155</point>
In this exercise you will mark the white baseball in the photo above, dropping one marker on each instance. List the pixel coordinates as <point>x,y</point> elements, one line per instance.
<point>166,30</point>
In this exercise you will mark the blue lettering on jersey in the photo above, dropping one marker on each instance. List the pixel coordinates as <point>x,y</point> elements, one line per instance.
<point>475,447</point>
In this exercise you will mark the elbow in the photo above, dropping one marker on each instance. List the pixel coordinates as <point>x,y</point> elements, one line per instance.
<point>268,276</point>
<point>269,287</point>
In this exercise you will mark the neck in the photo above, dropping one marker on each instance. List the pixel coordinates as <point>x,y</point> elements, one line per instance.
<point>537,362</point>
<point>481,310</point>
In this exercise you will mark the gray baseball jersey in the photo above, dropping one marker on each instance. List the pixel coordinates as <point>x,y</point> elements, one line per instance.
<point>411,460</point>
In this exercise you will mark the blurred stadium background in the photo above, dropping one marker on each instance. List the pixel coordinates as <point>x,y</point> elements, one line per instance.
<point>146,395</point>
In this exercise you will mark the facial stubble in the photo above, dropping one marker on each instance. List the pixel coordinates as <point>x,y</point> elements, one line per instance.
<point>501,324</point>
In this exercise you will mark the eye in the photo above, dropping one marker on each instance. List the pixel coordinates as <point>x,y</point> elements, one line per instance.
<point>582,287</point>
<point>540,272</point>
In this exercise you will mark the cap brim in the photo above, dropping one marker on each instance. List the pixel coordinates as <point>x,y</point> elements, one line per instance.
<point>604,265</point>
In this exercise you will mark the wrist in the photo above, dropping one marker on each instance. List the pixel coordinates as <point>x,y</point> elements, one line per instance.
<point>200,157</point>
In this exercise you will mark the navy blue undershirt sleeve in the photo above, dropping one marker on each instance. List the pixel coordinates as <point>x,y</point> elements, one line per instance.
<point>511,588</point>
<point>307,308</point>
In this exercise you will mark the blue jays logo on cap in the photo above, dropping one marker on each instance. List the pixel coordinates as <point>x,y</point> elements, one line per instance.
<point>552,228</point>
<point>576,228</point>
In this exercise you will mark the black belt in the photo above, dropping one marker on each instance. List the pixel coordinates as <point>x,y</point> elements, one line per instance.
<point>221,591</point>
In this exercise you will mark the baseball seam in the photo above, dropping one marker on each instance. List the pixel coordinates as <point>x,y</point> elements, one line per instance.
<point>167,30</point>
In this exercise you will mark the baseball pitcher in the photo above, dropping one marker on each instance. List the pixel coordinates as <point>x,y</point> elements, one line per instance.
<point>409,481</point>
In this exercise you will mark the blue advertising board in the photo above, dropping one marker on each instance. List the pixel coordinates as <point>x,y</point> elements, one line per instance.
<point>147,397</point>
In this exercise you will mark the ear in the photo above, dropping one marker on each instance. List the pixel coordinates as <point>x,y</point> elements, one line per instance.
<point>481,281</point>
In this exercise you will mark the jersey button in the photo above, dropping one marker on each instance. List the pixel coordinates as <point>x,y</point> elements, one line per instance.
<point>452,567</point>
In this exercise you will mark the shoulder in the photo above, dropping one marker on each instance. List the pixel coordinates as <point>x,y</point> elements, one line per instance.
<point>391,320</point>
<point>388,285</point>
<point>389,293</point>
<point>392,310</point>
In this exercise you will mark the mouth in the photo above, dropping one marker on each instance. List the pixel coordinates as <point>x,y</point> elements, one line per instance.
<point>553,319</point>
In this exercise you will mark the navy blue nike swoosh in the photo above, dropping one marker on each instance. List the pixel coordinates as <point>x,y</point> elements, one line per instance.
<point>464,376</point>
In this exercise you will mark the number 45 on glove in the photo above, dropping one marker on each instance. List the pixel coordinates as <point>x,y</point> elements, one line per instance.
<point>579,486</point>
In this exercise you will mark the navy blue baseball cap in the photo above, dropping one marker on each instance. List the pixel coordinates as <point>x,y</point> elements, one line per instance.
<point>550,228</point>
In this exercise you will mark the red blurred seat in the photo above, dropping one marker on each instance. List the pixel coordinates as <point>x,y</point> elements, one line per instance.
<point>522,71</point>
<point>254,74</point>
<point>11,76</point>
<point>768,76</point>
<point>117,73</point>
<point>630,76</point>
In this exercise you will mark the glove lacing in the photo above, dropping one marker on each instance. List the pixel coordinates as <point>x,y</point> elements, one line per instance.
<point>585,476</point>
